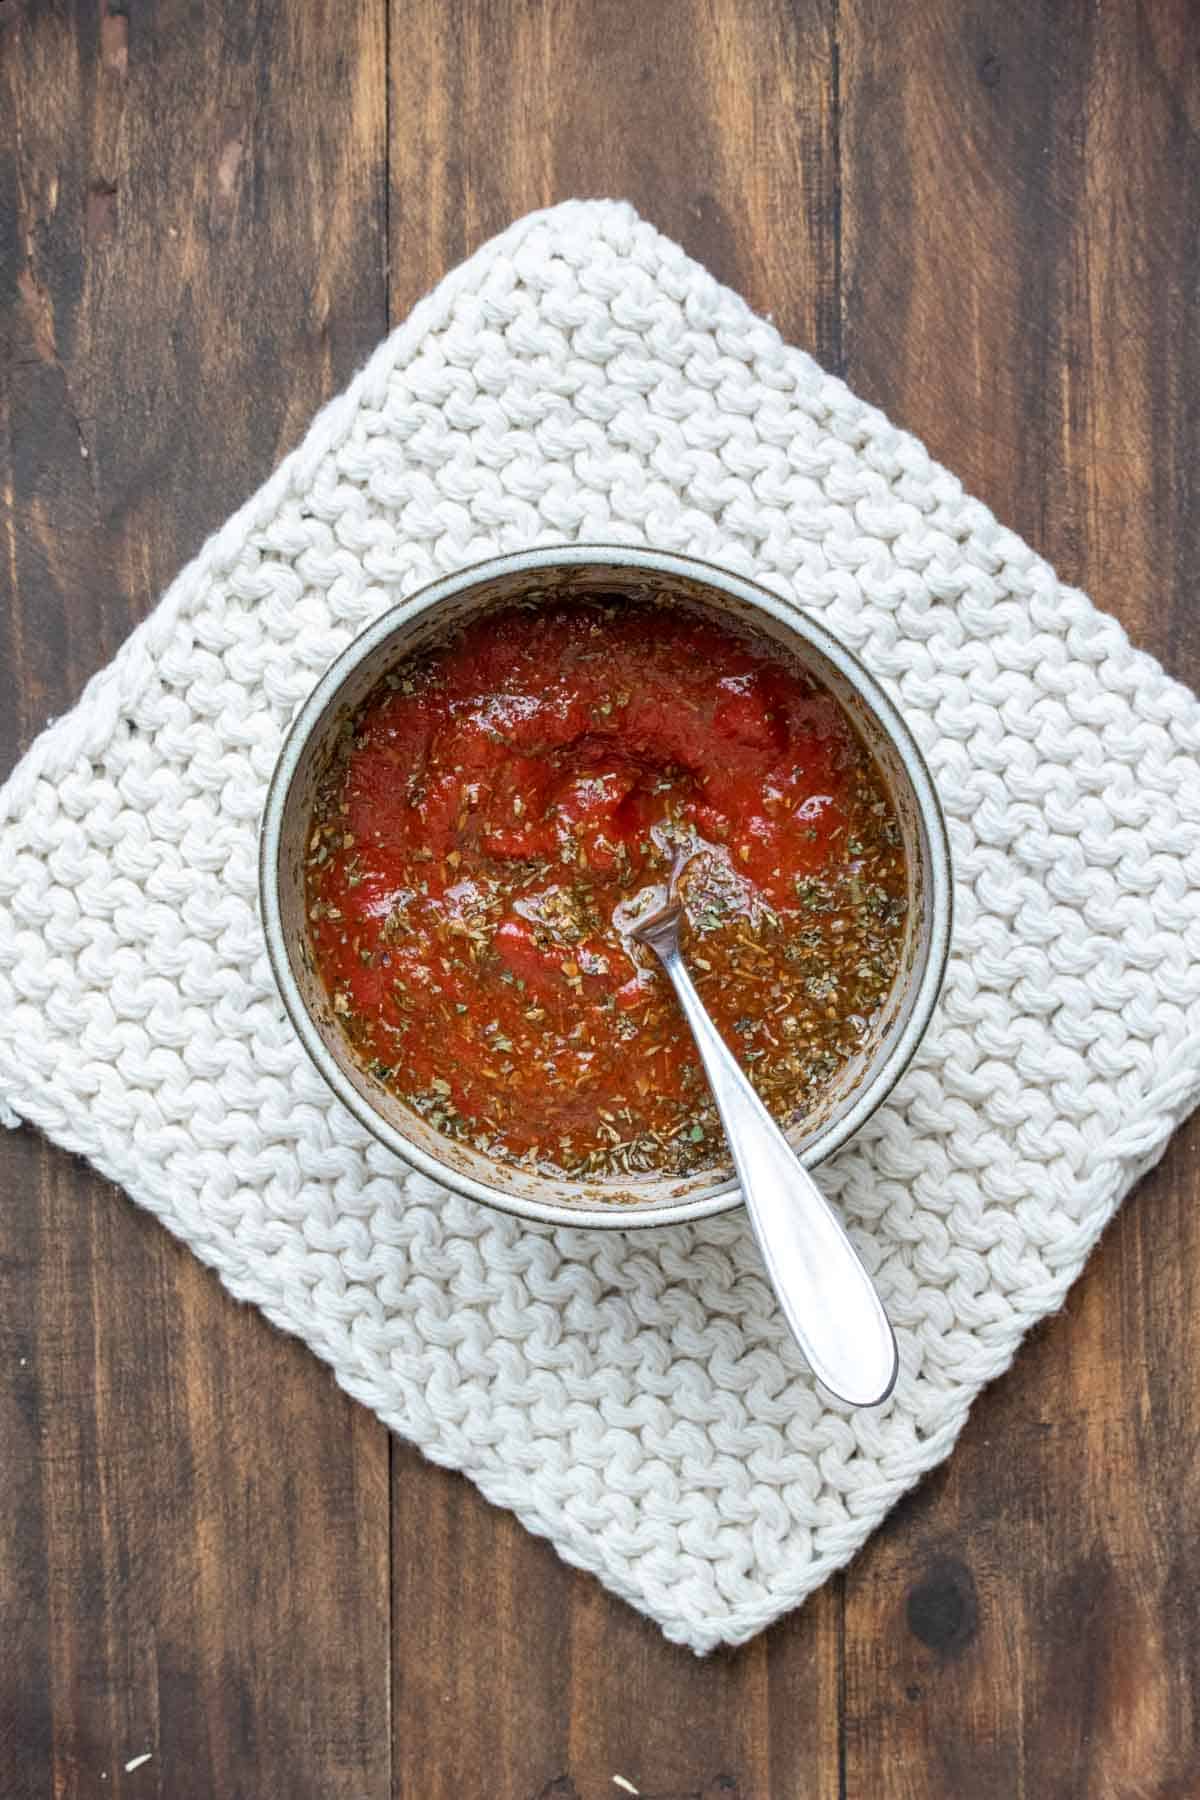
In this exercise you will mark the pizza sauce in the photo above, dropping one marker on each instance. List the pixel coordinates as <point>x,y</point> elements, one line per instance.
<point>496,801</point>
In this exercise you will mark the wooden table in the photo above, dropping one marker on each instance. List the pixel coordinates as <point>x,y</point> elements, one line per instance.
<point>989,220</point>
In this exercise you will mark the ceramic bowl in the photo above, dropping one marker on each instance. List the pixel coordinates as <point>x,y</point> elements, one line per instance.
<point>579,570</point>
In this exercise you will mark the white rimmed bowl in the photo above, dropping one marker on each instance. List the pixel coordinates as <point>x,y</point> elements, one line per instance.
<point>579,570</point>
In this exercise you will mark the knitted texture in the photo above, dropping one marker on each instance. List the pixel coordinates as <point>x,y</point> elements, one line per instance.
<point>632,1396</point>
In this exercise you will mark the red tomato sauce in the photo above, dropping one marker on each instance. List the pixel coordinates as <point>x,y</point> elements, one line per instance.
<point>492,802</point>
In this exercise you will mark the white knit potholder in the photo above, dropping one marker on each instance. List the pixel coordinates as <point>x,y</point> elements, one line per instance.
<point>632,1396</point>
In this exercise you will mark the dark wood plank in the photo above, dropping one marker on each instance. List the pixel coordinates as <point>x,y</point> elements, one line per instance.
<point>1021,186</point>
<point>514,1670</point>
<point>515,1675</point>
<point>717,123</point>
<point>194,1528</point>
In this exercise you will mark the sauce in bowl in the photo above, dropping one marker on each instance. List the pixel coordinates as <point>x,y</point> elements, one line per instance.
<point>492,809</point>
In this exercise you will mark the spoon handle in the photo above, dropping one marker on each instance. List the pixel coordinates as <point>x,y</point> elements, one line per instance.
<point>827,1296</point>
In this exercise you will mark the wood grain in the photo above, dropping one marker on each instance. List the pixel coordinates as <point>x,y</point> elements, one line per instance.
<point>1020,190</point>
<point>715,120</point>
<point>192,258</point>
<point>989,219</point>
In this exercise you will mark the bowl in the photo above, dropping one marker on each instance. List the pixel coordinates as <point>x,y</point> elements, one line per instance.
<point>414,624</point>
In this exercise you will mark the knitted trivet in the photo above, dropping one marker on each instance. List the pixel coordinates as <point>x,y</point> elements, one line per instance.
<point>631,1396</point>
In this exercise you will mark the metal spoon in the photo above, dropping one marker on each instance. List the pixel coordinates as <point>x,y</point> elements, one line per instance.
<point>828,1299</point>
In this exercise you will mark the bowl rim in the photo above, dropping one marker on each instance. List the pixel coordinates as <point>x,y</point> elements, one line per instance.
<point>939,881</point>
